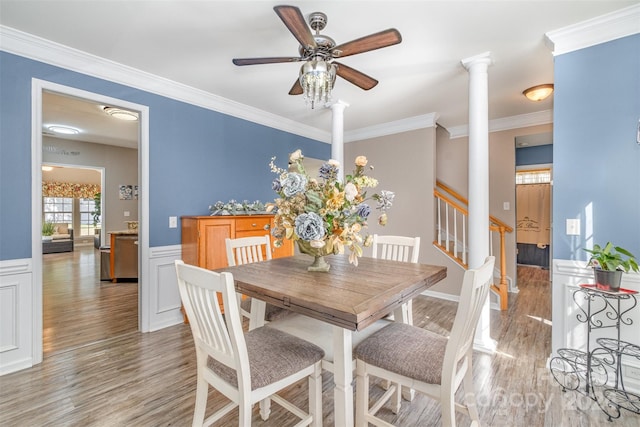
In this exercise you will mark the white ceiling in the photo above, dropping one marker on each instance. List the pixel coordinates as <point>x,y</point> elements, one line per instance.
<point>89,118</point>
<point>193,43</point>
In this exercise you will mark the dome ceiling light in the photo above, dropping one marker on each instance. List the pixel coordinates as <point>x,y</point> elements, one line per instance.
<point>121,114</point>
<point>539,93</point>
<point>65,130</point>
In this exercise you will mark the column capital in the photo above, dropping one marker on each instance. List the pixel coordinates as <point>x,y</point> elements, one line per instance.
<point>483,58</point>
<point>338,105</point>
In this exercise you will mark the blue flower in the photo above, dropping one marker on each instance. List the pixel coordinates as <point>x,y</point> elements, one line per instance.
<point>293,184</point>
<point>309,226</point>
<point>363,210</point>
<point>276,186</point>
<point>328,171</point>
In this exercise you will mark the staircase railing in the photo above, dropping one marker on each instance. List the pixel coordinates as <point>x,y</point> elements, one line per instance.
<point>452,223</point>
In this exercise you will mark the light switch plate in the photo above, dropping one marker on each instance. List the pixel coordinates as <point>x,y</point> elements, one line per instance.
<point>127,213</point>
<point>506,206</point>
<point>173,222</point>
<point>573,227</point>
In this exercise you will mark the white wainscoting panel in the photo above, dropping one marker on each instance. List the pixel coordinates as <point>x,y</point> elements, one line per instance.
<point>16,315</point>
<point>569,332</point>
<point>164,298</point>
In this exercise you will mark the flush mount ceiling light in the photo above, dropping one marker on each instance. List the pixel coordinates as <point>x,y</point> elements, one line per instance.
<point>65,130</point>
<point>121,114</point>
<point>538,93</point>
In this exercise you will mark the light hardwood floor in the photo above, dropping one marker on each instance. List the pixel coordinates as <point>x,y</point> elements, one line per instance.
<point>98,374</point>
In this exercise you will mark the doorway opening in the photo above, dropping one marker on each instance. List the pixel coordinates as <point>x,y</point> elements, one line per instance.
<point>78,260</point>
<point>534,157</point>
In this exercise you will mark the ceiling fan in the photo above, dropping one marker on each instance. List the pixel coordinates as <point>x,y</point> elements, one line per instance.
<point>319,52</point>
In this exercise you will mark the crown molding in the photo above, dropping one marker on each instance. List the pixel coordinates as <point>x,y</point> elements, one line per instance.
<point>614,25</point>
<point>506,123</point>
<point>43,50</point>
<point>391,128</point>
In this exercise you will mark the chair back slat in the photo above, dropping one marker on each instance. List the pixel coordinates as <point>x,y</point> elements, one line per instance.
<point>396,248</point>
<point>475,290</point>
<point>245,250</point>
<point>220,337</point>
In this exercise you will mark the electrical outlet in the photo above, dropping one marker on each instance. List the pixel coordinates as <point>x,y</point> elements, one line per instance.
<point>632,372</point>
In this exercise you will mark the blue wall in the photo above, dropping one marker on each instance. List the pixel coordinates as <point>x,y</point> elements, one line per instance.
<point>596,157</point>
<point>536,155</point>
<point>196,156</point>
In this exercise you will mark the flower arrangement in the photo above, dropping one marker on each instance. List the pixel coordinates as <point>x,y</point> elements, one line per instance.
<point>323,214</point>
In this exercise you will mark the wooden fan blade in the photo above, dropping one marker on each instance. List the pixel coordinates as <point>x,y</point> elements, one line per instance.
<point>356,77</point>
<point>255,61</point>
<point>296,89</point>
<point>364,44</point>
<point>293,19</point>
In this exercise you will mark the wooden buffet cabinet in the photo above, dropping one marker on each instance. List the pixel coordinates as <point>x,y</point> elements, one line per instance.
<point>203,237</point>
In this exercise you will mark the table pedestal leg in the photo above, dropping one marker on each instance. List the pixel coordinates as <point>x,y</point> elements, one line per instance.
<point>342,377</point>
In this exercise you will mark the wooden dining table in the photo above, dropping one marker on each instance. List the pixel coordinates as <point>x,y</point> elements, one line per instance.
<point>347,297</point>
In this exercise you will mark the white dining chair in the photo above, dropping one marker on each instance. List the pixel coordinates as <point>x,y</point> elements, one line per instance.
<point>245,367</point>
<point>246,250</point>
<point>427,362</point>
<point>405,249</point>
<point>397,248</point>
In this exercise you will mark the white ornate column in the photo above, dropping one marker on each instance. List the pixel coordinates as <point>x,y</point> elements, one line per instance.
<point>477,67</point>
<point>337,134</point>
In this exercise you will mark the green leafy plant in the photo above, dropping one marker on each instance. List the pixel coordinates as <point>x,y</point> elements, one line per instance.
<point>97,210</point>
<point>48,228</point>
<point>612,258</point>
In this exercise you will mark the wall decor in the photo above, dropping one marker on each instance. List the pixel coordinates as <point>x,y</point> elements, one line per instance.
<point>125,192</point>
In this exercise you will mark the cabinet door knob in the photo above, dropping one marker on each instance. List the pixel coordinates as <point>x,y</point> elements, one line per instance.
<point>254,224</point>
<point>267,226</point>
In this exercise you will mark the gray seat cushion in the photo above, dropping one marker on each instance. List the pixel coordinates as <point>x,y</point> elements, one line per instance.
<point>406,350</point>
<point>271,312</point>
<point>273,355</point>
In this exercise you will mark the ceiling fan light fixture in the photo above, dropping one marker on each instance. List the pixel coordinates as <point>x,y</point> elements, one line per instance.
<point>539,92</point>
<point>317,78</point>
<point>121,114</point>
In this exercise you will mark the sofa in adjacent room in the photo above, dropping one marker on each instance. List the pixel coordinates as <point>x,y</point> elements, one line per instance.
<point>61,240</point>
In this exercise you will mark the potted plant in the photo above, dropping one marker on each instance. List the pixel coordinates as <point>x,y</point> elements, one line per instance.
<point>609,262</point>
<point>47,230</point>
